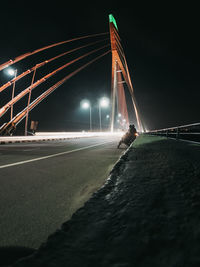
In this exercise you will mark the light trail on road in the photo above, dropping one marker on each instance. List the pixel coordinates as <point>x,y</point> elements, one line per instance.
<point>42,136</point>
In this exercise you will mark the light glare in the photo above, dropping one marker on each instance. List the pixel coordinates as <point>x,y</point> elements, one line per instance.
<point>11,72</point>
<point>104,102</point>
<point>85,104</point>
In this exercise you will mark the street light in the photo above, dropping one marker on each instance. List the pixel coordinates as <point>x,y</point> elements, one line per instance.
<point>12,72</point>
<point>29,100</point>
<point>103,103</point>
<point>86,105</point>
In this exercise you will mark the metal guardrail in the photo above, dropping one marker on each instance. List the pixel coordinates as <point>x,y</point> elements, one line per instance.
<point>190,132</point>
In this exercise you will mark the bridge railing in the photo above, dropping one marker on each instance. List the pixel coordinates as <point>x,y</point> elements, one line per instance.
<point>190,132</point>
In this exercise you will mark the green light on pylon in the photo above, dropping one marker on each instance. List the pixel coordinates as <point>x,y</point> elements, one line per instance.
<point>112,19</point>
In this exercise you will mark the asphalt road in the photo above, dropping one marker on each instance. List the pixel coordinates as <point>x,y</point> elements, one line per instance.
<point>42,184</point>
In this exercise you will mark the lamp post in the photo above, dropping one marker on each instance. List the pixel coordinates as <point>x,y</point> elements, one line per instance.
<point>28,103</point>
<point>103,103</point>
<point>12,72</point>
<point>86,105</point>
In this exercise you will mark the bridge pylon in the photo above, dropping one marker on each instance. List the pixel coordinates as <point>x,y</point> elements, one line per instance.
<point>119,71</point>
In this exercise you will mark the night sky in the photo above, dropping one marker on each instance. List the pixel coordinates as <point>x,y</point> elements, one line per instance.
<point>161,43</point>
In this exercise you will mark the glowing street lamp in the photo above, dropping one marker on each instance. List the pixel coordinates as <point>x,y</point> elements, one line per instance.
<point>103,103</point>
<point>12,72</point>
<point>119,115</point>
<point>86,105</point>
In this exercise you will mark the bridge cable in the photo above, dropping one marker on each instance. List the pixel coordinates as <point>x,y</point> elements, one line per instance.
<point>23,56</point>
<point>5,108</point>
<point>38,65</point>
<point>21,115</point>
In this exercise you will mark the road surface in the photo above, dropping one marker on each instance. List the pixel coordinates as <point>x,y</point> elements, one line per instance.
<point>146,215</point>
<point>42,184</point>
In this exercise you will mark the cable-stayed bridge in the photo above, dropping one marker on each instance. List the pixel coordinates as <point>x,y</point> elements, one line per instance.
<point>46,182</point>
<point>95,47</point>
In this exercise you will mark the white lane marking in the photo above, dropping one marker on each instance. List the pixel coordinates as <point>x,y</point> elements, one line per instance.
<point>51,156</point>
<point>184,140</point>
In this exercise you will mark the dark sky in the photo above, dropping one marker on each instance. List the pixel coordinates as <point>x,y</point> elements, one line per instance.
<point>161,43</point>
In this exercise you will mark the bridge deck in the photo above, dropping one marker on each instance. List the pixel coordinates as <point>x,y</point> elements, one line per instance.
<point>147,214</point>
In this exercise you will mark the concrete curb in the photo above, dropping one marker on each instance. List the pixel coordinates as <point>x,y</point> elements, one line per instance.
<point>115,173</point>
